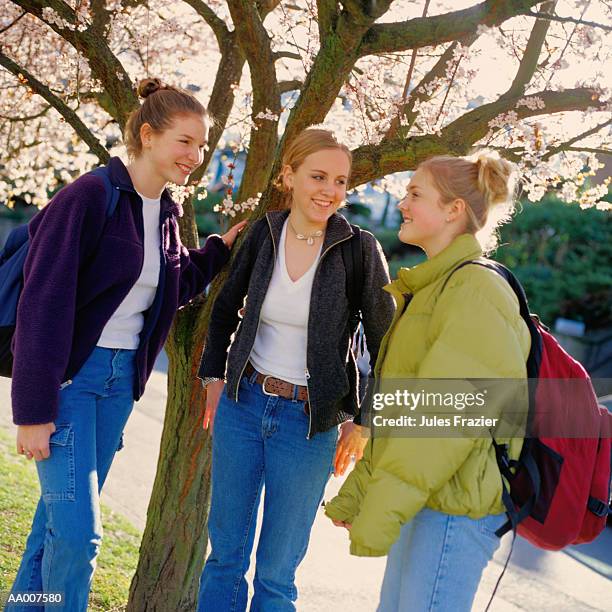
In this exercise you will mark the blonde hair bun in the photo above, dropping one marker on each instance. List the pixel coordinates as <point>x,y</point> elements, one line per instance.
<point>486,183</point>
<point>146,87</point>
<point>496,177</point>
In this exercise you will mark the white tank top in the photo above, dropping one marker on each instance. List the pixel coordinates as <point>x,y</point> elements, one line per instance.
<point>280,343</point>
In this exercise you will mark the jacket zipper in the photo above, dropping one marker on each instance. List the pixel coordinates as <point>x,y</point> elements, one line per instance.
<point>148,327</point>
<point>258,318</point>
<point>65,384</point>
<point>306,372</point>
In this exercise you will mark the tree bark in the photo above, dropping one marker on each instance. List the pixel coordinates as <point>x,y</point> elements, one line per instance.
<point>175,537</point>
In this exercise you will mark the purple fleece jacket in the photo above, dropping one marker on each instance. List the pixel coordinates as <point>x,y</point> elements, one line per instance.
<point>79,268</point>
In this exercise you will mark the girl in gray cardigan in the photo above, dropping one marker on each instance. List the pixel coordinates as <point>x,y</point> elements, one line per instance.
<point>289,377</point>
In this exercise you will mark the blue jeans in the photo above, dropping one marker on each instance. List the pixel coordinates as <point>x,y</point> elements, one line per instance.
<point>262,439</point>
<point>437,562</point>
<point>61,550</point>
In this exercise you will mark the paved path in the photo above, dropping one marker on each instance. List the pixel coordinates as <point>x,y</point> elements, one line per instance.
<point>330,579</point>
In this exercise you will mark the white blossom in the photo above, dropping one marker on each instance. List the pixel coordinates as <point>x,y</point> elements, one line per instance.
<point>532,103</point>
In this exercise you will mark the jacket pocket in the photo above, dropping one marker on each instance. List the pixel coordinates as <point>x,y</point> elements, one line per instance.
<point>57,478</point>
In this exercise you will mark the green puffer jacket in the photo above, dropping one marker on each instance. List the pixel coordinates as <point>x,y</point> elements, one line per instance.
<point>472,329</point>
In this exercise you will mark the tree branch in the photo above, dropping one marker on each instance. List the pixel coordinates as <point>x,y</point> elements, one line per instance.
<point>551,17</point>
<point>255,43</point>
<point>398,155</point>
<point>421,92</point>
<point>104,66</point>
<point>65,111</point>
<point>286,86</point>
<point>365,12</point>
<point>217,25</point>
<point>566,146</point>
<point>42,113</point>
<point>529,60</point>
<point>438,29</point>
<point>396,122</point>
<point>286,54</point>
<point>589,150</point>
<point>327,14</point>
<point>474,125</point>
<point>16,20</point>
<point>101,17</point>
<point>331,68</point>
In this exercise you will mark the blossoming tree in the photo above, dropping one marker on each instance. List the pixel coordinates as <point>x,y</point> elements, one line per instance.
<point>399,80</point>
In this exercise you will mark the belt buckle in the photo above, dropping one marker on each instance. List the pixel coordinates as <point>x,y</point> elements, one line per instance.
<point>263,387</point>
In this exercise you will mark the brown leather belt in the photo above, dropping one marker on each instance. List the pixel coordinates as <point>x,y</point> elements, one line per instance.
<point>277,386</point>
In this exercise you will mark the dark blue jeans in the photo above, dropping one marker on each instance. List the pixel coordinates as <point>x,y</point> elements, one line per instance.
<point>261,440</point>
<point>61,551</point>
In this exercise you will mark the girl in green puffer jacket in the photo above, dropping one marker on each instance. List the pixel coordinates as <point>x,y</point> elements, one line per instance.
<point>433,504</point>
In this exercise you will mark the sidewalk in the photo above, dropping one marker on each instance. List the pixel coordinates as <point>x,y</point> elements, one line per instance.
<point>329,578</point>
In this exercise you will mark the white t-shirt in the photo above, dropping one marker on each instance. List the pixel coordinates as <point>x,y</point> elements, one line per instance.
<point>124,327</point>
<point>280,343</point>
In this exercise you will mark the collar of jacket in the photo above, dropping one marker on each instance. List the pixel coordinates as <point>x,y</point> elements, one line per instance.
<point>120,177</point>
<point>410,280</point>
<point>338,228</point>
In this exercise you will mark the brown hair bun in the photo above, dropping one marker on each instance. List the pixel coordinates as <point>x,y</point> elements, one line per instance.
<point>146,87</point>
<point>159,111</point>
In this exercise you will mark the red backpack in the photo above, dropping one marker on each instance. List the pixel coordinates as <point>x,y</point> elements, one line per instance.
<point>560,485</point>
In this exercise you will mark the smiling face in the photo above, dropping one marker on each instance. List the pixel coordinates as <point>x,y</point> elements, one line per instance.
<point>425,218</point>
<point>318,187</point>
<point>174,153</point>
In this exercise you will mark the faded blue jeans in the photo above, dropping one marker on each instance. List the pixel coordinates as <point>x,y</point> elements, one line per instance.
<point>259,440</point>
<point>61,550</point>
<point>437,562</point>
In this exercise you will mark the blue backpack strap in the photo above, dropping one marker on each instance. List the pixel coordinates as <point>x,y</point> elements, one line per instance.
<point>112,192</point>
<point>16,239</point>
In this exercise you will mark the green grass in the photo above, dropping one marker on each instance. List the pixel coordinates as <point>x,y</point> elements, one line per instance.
<point>19,492</point>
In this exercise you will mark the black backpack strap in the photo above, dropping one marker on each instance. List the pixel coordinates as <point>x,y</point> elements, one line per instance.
<point>353,264</point>
<point>516,515</point>
<point>535,353</point>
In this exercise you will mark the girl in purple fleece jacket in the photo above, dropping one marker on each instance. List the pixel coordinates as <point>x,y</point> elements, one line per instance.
<point>98,300</point>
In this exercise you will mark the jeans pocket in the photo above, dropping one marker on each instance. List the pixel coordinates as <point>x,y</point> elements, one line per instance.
<point>57,478</point>
<point>488,525</point>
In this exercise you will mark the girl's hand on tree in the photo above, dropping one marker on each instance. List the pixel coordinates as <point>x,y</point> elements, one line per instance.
<point>33,440</point>
<point>230,236</point>
<point>351,443</point>
<point>213,395</point>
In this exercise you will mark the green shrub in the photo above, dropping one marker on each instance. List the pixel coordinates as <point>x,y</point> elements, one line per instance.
<point>562,256</point>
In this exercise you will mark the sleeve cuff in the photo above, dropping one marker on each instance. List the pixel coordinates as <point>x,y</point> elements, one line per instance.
<point>359,550</point>
<point>218,241</point>
<point>333,512</point>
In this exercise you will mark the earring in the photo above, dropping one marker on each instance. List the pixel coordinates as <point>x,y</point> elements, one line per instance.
<point>448,220</point>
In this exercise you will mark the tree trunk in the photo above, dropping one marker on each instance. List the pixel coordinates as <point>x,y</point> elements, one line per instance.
<point>174,542</point>
<point>175,538</point>
<point>176,534</point>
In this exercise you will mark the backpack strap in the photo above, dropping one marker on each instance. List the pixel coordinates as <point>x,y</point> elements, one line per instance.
<point>353,264</point>
<point>535,352</point>
<point>112,192</point>
<point>516,515</point>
